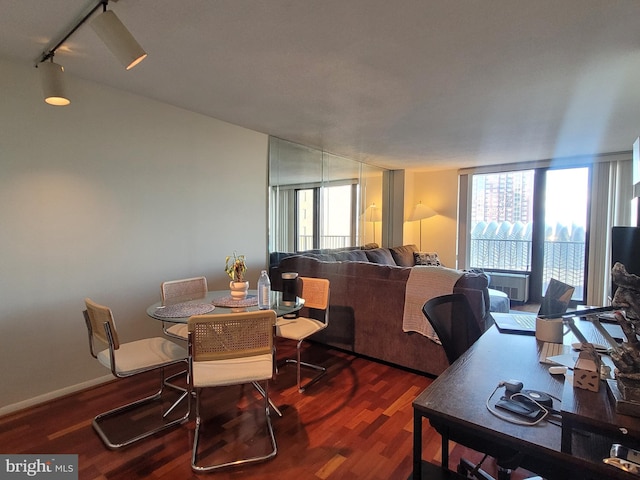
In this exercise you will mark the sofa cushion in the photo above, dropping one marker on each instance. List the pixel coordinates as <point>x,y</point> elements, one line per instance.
<point>403,255</point>
<point>325,257</point>
<point>380,255</point>
<point>427,258</point>
<point>351,256</point>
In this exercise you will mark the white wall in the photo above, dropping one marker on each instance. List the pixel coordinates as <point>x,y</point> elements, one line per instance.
<point>107,198</point>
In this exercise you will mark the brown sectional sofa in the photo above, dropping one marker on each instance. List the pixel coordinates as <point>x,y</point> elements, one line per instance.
<point>367,302</point>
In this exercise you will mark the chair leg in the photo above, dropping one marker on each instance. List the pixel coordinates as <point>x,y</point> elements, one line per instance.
<point>259,458</point>
<point>185,391</point>
<point>264,394</point>
<point>299,363</point>
<point>113,444</point>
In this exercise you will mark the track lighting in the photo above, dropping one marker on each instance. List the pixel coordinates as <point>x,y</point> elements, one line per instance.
<point>116,36</point>
<point>112,32</point>
<point>53,85</point>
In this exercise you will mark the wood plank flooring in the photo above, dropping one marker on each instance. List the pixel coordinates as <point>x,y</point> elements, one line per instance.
<point>355,423</point>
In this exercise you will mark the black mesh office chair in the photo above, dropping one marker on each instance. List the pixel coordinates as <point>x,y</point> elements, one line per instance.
<point>455,324</point>
<point>453,320</point>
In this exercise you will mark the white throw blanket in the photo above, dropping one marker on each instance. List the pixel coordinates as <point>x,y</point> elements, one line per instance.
<point>424,283</point>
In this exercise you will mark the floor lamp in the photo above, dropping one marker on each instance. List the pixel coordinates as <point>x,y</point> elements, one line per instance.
<point>373,214</point>
<point>420,212</point>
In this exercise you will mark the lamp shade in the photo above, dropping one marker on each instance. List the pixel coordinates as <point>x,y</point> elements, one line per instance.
<point>420,212</point>
<point>373,213</point>
<point>53,84</point>
<point>118,39</point>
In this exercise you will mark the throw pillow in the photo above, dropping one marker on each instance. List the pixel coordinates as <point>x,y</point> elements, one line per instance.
<point>381,256</point>
<point>427,258</point>
<point>403,256</point>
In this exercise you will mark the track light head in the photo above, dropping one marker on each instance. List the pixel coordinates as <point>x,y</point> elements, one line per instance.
<point>116,36</point>
<point>112,32</point>
<point>53,84</point>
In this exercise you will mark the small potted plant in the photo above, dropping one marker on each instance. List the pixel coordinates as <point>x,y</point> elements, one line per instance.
<point>235,266</point>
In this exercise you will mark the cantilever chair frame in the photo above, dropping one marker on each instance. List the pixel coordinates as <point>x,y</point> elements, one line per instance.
<point>110,337</point>
<point>182,290</point>
<point>316,297</point>
<point>214,342</point>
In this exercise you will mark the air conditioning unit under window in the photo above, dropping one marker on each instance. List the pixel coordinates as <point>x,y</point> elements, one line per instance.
<point>515,285</point>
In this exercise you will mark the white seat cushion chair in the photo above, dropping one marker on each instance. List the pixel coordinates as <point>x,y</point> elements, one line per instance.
<point>231,349</point>
<point>115,427</point>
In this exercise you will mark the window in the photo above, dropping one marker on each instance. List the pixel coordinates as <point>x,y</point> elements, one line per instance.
<point>338,220</point>
<point>566,201</point>
<point>502,220</point>
<point>305,218</point>
<point>312,231</point>
<point>531,222</point>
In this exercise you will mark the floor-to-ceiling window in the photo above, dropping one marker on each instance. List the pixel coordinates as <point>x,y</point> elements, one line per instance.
<point>502,220</point>
<point>566,205</point>
<point>577,201</point>
<point>529,226</point>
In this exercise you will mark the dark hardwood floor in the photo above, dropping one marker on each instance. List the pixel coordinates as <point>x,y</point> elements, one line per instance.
<point>356,423</point>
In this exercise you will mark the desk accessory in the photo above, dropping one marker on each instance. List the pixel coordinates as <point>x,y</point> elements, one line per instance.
<point>558,370</point>
<point>586,372</point>
<point>523,403</point>
<point>549,329</point>
<point>519,408</point>
<point>626,357</point>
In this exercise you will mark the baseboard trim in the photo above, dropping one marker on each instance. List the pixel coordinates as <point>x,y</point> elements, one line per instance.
<point>31,402</point>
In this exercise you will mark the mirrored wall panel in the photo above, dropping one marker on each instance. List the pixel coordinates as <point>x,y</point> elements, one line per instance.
<point>319,200</point>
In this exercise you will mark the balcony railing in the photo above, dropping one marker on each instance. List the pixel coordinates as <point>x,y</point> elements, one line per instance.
<point>305,242</point>
<point>500,254</point>
<point>563,260</point>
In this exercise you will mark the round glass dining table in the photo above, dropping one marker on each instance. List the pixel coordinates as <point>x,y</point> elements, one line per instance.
<point>178,310</point>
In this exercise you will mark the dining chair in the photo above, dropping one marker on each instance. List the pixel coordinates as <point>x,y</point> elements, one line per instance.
<point>116,429</point>
<point>315,292</point>
<point>230,349</point>
<point>177,291</point>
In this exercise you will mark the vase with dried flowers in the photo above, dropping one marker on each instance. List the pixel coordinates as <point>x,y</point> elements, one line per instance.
<point>235,266</point>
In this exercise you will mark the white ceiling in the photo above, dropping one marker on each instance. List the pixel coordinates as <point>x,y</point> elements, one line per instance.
<point>399,84</point>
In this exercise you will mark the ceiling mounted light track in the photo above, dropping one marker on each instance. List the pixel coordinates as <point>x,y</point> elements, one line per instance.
<point>111,31</point>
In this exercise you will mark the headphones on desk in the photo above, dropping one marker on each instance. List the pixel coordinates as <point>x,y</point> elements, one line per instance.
<point>531,405</point>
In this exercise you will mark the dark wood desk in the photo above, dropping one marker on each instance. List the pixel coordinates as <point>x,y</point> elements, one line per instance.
<point>455,405</point>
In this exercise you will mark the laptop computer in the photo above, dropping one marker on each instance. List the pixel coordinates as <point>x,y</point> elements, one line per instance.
<point>555,302</point>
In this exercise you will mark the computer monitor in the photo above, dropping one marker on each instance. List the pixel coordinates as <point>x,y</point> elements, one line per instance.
<point>625,248</point>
